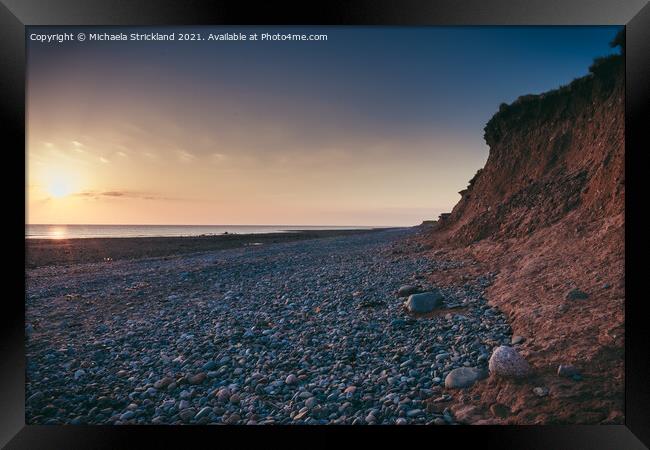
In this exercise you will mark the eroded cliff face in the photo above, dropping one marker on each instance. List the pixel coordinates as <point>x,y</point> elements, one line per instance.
<point>550,155</point>
<point>546,214</point>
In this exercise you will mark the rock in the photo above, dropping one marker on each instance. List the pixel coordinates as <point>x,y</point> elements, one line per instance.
<point>203,412</point>
<point>301,415</point>
<point>507,362</point>
<point>183,404</point>
<point>79,374</point>
<point>198,378</point>
<point>234,398</point>
<point>127,416</point>
<point>516,340</point>
<point>187,414</point>
<point>576,294</point>
<point>540,391</point>
<point>424,302</point>
<point>414,413</point>
<point>223,395</point>
<point>233,419</point>
<point>462,377</point>
<point>401,421</point>
<point>163,383</point>
<point>567,370</point>
<point>210,365</point>
<point>406,290</point>
<point>291,379</point>
<point>36,397</point>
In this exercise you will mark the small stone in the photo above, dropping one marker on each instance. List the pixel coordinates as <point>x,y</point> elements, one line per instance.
<point>204,412</point>
<point>233,419</point>
<point>507,362</point>
<point>36,397</point>
<point>540,391</point>
<point>462,377</point>
<point>516,340</point>
<point>79,374</point>
<point>413,413</point>
<point>302,414</point>
<point>291,379</point>
<point>234,398</point>
<point>183,404</point>
<point>406,290</point>
<point>401,421</point>
<point>163,382</point>
<point>223,395</point>
<point>210,365</point>
<point>187,414</point>
<point>198,378</point>
<point>127,415</point>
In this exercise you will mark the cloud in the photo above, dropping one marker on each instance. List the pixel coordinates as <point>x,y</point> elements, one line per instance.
<point>103,160</point>
<point>122,194</point>
<point>185,156</point>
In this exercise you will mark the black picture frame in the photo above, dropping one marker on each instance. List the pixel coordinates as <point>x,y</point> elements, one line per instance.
<point>15,15</point>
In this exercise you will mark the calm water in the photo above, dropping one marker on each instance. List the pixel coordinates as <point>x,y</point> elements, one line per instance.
<point>92,231</point>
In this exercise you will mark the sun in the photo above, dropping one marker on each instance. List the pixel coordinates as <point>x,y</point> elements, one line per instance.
<point>59,186</point>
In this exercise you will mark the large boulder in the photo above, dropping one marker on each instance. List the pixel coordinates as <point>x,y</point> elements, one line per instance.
<point>463,377</point>
<point>507,362</point>
<point>424,302</point>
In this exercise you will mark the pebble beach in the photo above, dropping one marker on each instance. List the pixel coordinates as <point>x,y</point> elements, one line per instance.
<point>306,332</point>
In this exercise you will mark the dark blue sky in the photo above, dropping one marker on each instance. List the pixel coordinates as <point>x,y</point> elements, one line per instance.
<point>421,95</point>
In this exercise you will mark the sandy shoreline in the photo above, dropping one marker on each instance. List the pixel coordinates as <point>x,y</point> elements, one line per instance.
<point>54,252</point>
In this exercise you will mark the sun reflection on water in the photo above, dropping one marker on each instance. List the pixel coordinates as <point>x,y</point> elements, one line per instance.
<point>58,233</point>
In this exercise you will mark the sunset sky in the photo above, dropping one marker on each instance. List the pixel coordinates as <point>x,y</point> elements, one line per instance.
<point>375,126</point>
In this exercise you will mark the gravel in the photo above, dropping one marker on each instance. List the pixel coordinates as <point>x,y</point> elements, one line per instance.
<point>304,332</point>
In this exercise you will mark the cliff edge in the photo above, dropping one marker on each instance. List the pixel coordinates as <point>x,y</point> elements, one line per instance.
<point>546,215</point>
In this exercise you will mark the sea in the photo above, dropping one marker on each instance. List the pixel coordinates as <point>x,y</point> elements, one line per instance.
<point>42,231</point>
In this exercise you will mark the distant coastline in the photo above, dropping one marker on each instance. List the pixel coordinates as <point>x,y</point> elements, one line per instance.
<point>76,231</point>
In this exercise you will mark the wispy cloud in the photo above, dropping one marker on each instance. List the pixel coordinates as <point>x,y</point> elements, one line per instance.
<point>123,194</point>
<point>103,160</point>
<point>78,147</point>
<point>185,156</point>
